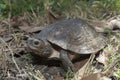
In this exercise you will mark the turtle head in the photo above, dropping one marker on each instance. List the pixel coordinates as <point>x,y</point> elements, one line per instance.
<point>39,47</point>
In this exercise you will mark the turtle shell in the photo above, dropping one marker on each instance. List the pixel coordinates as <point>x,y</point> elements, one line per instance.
<point>75,35</point>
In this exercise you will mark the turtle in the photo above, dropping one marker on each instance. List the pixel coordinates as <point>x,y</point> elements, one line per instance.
<point>65,37</point>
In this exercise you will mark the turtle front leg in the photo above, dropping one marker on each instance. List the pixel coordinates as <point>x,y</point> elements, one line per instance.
<point>67,64</point>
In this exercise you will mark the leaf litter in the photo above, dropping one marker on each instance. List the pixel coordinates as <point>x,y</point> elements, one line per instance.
<point>17,64</point>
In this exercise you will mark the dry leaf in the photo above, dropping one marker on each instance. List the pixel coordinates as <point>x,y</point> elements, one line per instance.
<point>103,58</point>
<point>114,24</point>
<point>105,78</point>
<point>17,21</point>
<point>31,29</point>
<point>58,77</point>
<point>2,30</point>
<point>96,76</point>
<point>81,72</point>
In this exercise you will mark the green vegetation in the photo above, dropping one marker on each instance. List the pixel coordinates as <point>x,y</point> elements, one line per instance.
<point>68,8</point>
<point>35,13</point>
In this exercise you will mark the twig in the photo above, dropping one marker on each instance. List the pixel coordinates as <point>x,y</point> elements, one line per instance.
<point>11,54</point>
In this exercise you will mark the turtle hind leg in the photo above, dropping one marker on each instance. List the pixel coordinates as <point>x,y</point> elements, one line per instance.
<point>67,64</point>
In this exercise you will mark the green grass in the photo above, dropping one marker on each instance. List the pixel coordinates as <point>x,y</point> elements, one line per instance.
<point>68,8</point>
<point>92,9</point>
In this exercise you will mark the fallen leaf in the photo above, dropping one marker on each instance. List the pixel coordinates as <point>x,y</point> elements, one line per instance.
<point>114,24</point>
<point>58,77</point>
<point>96,76</point>
<point>81,72</point>
<point>31,29</point>
<point>2,30</point>
<point>103,58</point>
<point>105,78</point>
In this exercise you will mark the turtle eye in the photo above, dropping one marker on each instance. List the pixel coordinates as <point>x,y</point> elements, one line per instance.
<point>36,43</point>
